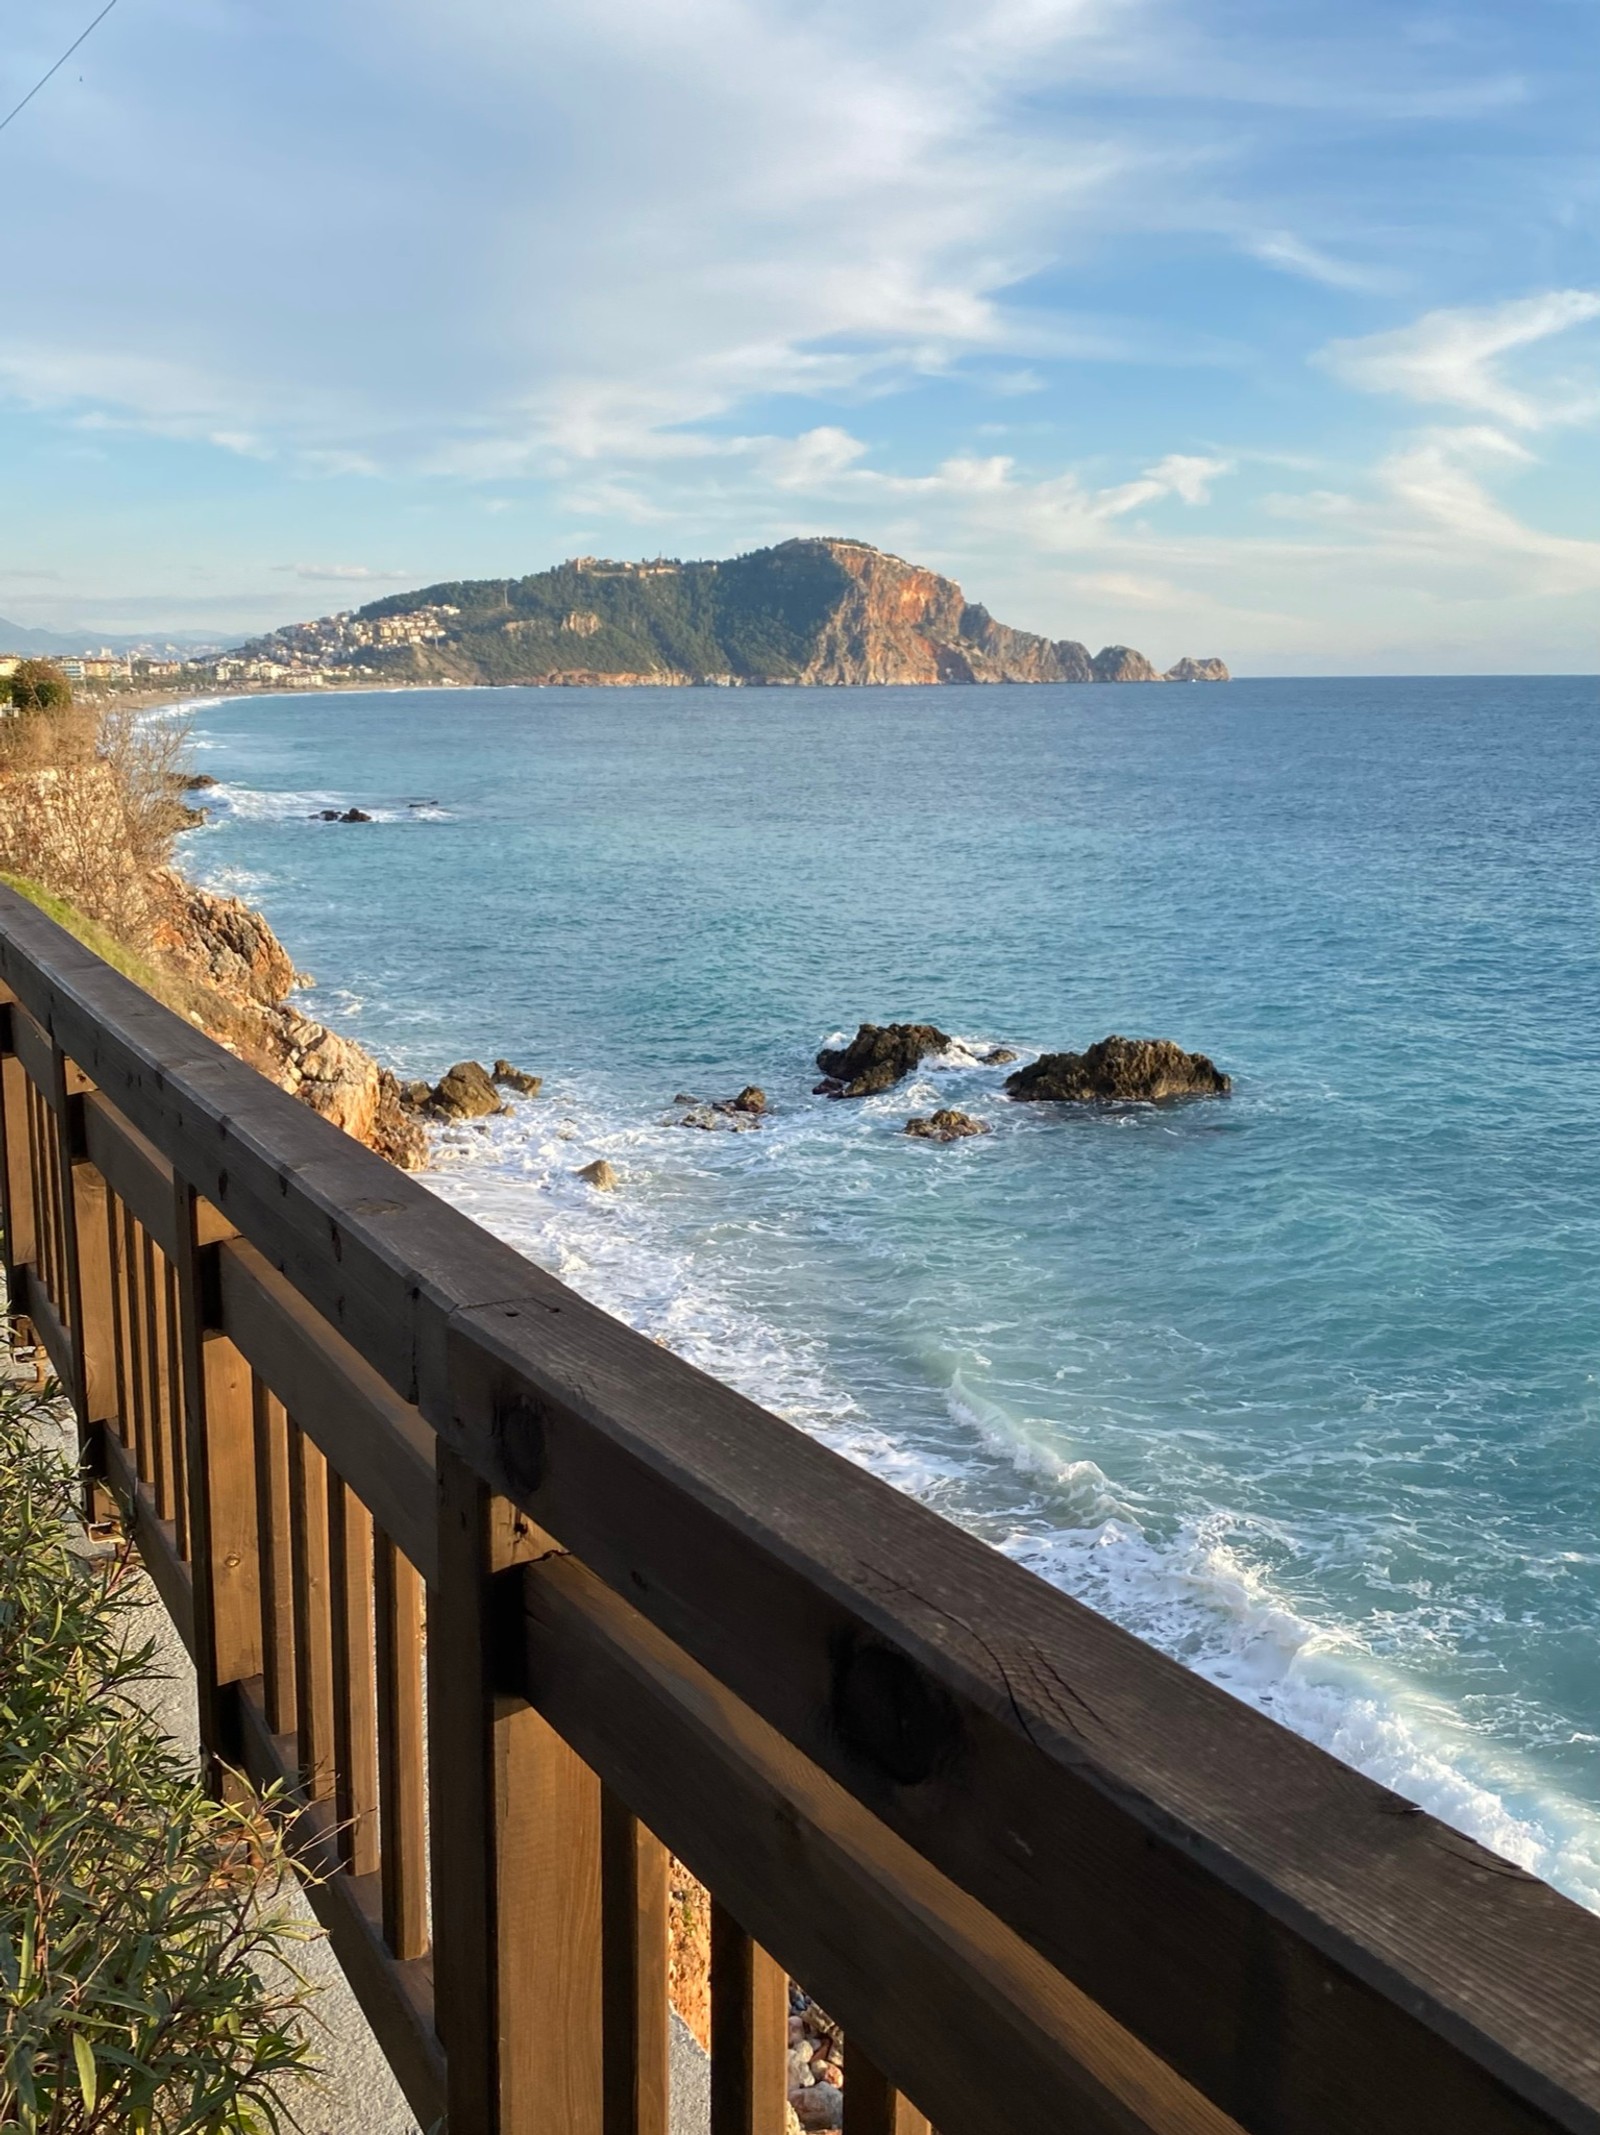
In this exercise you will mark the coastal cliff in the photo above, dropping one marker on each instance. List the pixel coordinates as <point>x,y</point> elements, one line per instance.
<point>238,977</point>
<point>822,611</point>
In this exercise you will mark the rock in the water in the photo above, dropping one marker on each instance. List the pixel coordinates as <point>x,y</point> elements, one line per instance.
<point>946,1126</point>
<point>414,1096</point>
<point>1120,663</point>
<point>878,1056</point>
<point>465,1092</point>
<point>600,1175</point>
<point>998,1056</point>
<point>324,815</point>
<point>515,1078</point>
<point>1198,671</point>
<point>355,815</point>
<point>1120,1071</point>
<point>749,1099</point>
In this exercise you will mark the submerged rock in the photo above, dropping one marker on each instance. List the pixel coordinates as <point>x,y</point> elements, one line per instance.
<point>998,1056</point>
<point>515,1078</point>
<point>355,815</point>
<point>877,1057</point>
<point>946,1126</point>
<point>736,1114</point>
<point>601,1175</point>
<point>465,1092</point>
<point>1119,1071</point>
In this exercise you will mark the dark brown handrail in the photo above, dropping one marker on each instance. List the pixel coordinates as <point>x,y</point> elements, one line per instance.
<point>1042,1876</point>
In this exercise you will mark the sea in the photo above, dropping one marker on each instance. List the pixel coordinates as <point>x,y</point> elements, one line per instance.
<point>1299,1384</point>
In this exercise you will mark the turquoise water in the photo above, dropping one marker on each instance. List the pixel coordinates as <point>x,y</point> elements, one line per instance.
<point>1301,1384</point>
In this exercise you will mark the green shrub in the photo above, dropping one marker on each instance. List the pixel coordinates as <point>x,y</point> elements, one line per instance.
<point>145,1976</point>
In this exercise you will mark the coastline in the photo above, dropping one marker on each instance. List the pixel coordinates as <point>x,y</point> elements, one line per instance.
<point>1191,1586</point>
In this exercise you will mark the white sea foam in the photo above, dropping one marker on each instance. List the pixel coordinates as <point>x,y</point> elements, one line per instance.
<point>255,804</point>
<point>1198,1594</point>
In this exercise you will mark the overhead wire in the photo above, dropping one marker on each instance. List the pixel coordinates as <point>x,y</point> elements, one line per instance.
<point>56,69</point>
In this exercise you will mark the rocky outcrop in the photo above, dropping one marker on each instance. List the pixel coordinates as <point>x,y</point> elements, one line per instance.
<point>945,1126</point>
<point>465,1091</point>
<point>1120,663</point>
<point>515,1078</point>
<point>1198,671</point>
<point>1119,1071</point>
<point>235,975</point>
<point>601,1175</point>
<point>221,941</point>
<point>877,1057</point>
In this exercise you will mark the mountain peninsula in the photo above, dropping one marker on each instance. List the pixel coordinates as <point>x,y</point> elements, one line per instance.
<point>817,611</point>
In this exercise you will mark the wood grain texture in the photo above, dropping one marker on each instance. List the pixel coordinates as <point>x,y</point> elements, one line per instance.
<point>516,1855</point>
<point>872,2105</point>
<point>355,1705</point>
<point>313,1615</point>
<point>749,2033</point>
<point>940,1994</point>
<point>378,1443</point>
<point>633,1937</point>
<point>275,1549</point>
<point>402,1770</point>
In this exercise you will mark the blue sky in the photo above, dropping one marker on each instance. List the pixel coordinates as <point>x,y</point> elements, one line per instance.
<point>1210,326</point>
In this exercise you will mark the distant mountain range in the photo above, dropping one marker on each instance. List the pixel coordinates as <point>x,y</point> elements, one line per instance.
<point>45,644</point>
<point>812,611</point>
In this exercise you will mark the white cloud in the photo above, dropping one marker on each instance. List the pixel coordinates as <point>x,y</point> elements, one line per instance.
<point>1282,249</point>
<point>1452,358</point>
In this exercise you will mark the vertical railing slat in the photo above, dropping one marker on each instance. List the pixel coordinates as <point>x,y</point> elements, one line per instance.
<point>402,1849</point>
<point>872,2105</point>
<point>158,1383</point>
<point>515,1832</point>
<point>270,1430</point>
<point>313,1619</point>
<point>220,1463</point>
<point>749,2033</point>
<point>633,1942</point>
<point>133,1264</point>
<point>355,1718</point>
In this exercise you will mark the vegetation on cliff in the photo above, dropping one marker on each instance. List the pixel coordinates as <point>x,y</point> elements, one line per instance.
<point>91,804</point>
<point>813,611</point>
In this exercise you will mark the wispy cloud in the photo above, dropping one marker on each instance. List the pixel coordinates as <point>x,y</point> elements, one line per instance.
<point>1454,358</point>
<point>356,573</point>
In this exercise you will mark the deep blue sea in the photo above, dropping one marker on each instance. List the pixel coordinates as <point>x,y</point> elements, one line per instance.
<point>1300,1384</point>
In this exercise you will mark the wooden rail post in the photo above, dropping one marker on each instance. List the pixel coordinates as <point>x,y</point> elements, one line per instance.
<point>515,1828</point>
<point>749,2033</point>
<point>16,1200</point>
<point>224,1543</point>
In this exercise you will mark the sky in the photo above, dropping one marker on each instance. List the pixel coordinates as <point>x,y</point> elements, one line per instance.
<point>1219,327</point>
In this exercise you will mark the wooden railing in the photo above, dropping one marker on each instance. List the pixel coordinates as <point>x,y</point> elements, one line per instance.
<point>512,1600</point>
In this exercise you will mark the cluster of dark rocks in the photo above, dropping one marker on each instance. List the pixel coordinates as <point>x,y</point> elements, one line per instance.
<point>1116,1071</point>
<point>737,1114</point>
<point>339,815</point>
<point>469,1090</point>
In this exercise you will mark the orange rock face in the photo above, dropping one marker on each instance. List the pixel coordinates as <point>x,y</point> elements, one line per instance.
<point>902,623</point>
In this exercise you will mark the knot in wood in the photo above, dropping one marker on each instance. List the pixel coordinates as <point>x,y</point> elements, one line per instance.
<point>519,1439</point>
<point>892,1713</point>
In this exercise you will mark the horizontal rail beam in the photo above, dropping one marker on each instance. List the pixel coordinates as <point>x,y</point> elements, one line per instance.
<point>376,1441</point>
<point>952,2001</point>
